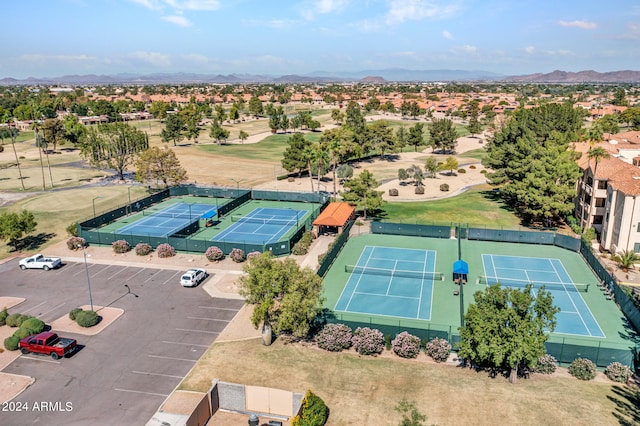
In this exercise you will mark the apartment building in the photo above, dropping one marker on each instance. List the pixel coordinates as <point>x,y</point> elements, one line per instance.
<point>608,193</point>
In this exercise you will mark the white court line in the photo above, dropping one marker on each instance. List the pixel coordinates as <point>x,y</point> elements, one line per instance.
<point>40,359</point>
<point>359,278</point>
<point>387,295</point>
<point>157,374</point>
<point>198,331</point>
<point>145,393</point>
<point>185,344</point>
<point>208,319</point>
<point>175,359</point>
<point>31,309</point>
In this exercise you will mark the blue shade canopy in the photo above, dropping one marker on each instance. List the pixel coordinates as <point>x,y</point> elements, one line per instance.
<point>460,267</point>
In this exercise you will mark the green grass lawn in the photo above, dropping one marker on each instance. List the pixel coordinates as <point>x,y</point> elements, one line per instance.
<point>475,207</point>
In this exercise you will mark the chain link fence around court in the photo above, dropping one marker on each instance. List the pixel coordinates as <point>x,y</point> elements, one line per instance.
<point>180,240</point>
<point>565,349</point>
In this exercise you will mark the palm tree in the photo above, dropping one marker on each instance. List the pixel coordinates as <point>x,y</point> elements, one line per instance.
<point>309,153</point>
<point>597,153</point>
<point>14,132</point>
<point>39,142</point>
<point>626,259</point>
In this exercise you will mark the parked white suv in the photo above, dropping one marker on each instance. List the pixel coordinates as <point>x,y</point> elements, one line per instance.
<point>193,277</point>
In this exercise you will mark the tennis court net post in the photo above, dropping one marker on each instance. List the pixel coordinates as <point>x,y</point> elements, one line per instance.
<point>394,272</point>
<point>482,279</point>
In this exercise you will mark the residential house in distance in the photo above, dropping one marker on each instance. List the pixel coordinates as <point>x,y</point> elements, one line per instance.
<point>608,193</point>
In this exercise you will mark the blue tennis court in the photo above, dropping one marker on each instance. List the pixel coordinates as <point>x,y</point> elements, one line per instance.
<point>169,221</point>
<point>574,317</point>
<point>389,281</point>
<point>261,226</point>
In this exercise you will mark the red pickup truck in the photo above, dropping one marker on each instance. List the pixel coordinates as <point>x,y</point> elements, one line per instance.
<point>47,343</point>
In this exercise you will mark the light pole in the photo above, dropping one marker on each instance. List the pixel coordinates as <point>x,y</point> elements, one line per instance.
<point>86,268</point>
<point>94,204</point>
<point>129,195</point>
<point>237,181</point>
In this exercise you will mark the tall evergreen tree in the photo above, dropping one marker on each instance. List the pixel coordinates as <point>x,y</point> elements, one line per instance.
<point>294,156</point>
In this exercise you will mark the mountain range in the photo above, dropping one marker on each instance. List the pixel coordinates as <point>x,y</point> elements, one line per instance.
<point>369,76</point>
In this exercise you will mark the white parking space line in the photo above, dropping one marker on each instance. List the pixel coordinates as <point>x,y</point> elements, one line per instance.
<point>145,393</point>
<point>185,344</point>
<point>121,270</point>
<point>31,309</point>
<point>176,359</point>
<point>82,269</point>
<point>53,309</point>
<point>170,279</point>
<point>208,319</point>
<point>157,374</point>
<point>40,359</point>
<point>198,331</point>
<point>102,270</point>
<point>141,270</point>
<point>220,309</point>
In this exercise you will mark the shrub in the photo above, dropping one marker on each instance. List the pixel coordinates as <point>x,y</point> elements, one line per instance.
<point>313,411</point>
<point>334,337</point>
<point>76,243</point>
<point>3,316</point>
<point>165,250</point>
<point>72,229</point>
<point>142,249</point>
<point>406,345</point>
<point>367,341</point>
<point>87,318</point>
<point>74,313</point>
<point>120,246</point>
<point>419,190</point>
<point>583,369</point>
<point>22,318</point>
<point>393,192</point>
<point>253,254</point>
<point>302,246</point>
<point>547,364</point>
<point>21,333</point>
<point>11,343</point>
<point>237,255</point>
<point>214,254</point>
<point>462,171</point>
<point>438,349</point>
<point>473,166</point>
<point>33,325</point>
<point>12,320</point>
<point>444,187</point>
<point>483,171</point>
<point>618,372</point>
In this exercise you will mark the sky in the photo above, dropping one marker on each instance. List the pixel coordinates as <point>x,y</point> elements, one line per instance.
<point>50,38</point>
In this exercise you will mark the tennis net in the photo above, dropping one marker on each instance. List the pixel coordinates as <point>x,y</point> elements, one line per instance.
<point>523,283</point>
<point>185,216</point>
<point>394,272</point>
<point>245,219</point>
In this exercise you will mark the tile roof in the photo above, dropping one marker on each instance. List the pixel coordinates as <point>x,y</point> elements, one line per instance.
<point>335,214</point>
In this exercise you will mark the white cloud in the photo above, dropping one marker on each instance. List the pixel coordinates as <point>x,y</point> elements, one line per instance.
<point>585,25</point>
<point>465,49</point>
<point>179,4</point>
<point>268,59</point>
<point>152,58</point>
<point>446,34</point>
<point>36,57</point>
<point>178,20</point>
<point>195,58</point>
<point>404,54</point>
<point>633,32</point>
<point>403,10</point>
<point>366,25</point>
<point>530,50</point>
<point>321,7</point>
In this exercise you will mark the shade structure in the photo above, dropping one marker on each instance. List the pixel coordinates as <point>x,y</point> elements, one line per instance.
<point>460,267</point>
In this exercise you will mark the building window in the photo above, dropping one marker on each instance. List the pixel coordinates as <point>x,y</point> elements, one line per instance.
<point>636,247</point>
<point>600,202</point>
<point>602,184</point>
<point>589,181</point>
<point>597,220</point>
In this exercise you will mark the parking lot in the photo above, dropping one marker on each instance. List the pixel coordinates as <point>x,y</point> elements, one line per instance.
<point>122,374</point>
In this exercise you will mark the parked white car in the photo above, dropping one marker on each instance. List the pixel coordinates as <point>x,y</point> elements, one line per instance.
<point>39,261</point>
<point>193,277</point>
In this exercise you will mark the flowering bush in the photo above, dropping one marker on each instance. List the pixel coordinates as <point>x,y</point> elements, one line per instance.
<point>618,372</point>
<point>143,249</point>
<point>438,349</point>
<point>334,337</point>
<point>583,369</point>
<point>76,243</point>
<point>547,364</point>
<point>165,250</point>
<point>367,341</point>
<point>406,345</point>
<point>444,187</point>
<point>237,255</point>
<point>214,254</point>
<point>253,254</point>
<point>120,246</point>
